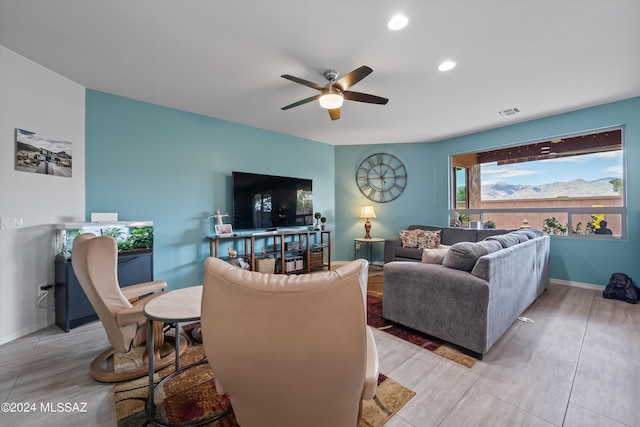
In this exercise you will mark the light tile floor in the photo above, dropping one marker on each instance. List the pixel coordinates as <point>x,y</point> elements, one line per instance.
<point>578,364</point>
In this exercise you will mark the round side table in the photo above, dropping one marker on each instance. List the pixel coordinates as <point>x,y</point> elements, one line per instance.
<point>182,305</point>
<point>369,243</point>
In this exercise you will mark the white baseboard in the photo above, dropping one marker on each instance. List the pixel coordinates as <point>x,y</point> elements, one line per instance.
<point>577,284</point>
<point>24,332</point>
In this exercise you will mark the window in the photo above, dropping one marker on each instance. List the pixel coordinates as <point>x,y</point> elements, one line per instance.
<point>570,185</point>
<point>460,187</point>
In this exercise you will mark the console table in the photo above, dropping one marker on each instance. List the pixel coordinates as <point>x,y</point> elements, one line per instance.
<point>278,241</point>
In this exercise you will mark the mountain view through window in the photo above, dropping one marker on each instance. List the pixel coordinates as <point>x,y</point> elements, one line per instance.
<point>567,186</point>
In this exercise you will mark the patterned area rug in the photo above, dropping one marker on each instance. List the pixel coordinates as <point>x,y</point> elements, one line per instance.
<point>375,294</point>
<point>191,396</point>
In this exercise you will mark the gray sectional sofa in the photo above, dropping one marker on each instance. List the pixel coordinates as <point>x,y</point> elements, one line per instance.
<point>393,250</point>
<point>479,290</point>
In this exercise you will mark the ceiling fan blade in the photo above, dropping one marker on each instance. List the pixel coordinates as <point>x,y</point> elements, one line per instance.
<point>334,113</point>
<point>353,77</point>
<point>364,97</point>
<point>303,101</point>
<point>302,81</point>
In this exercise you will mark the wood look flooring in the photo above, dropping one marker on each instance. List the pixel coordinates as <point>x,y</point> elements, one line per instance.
<point>578,364</point>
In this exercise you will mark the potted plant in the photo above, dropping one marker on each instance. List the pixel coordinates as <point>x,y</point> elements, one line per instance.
<point>317,216</point>
<point>323,220</point>
<point>490,225</point>
<point>464,219</point>
<point>553,226</point>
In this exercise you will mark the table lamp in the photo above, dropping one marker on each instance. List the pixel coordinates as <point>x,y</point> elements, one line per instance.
<point>367,212</point>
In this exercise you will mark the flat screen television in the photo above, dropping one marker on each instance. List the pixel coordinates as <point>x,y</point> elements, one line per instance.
<point>269,202</point>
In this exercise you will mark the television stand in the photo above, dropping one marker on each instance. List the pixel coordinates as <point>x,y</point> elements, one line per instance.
<point>279,248</point>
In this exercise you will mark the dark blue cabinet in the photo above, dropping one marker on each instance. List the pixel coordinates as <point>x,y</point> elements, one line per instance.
<point>72,305</point>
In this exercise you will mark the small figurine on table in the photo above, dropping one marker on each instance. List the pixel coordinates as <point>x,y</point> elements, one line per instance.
<point>218,216</point>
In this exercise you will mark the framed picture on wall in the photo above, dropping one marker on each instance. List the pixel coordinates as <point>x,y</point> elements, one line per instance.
<point>224,230</point>
<point>42,154</point>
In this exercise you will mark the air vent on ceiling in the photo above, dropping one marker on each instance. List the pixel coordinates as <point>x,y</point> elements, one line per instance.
<point>509,112</point>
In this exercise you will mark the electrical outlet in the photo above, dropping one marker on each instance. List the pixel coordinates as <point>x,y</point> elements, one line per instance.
<point>42,291</point>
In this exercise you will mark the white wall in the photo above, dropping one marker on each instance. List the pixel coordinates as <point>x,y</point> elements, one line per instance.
<point>36,99</point>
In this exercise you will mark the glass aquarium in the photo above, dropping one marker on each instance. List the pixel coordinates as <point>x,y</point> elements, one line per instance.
<point>132,236</point>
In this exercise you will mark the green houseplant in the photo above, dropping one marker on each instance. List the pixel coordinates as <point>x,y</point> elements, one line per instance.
<point>489,225</point>
<point>464,219</point>
<point>553,226</point>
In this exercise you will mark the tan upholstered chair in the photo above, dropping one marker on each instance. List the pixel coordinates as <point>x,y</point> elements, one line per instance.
<point>290,350</point>
<point>95,263</point>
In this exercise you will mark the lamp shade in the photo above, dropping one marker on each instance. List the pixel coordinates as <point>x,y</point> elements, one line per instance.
<point>367,212</point>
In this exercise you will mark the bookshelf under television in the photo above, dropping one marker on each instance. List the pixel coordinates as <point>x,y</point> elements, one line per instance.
<point>294,251</point>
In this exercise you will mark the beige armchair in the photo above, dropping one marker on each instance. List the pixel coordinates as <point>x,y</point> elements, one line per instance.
<point>290,350</point>
<point>95,263</point>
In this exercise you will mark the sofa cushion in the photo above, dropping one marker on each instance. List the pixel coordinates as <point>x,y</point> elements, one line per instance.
<point>490,245</point>
<point>526,232</point>
<point>452,235</point>
<point>463,255</point>
<point>531,231</point>
<point>420,239</point>
<point>424,227</point>
<point>486,232</point>
<point>410,253</point>
<point>505,240</point>
<point>435,255</point>
<point>520,236</point>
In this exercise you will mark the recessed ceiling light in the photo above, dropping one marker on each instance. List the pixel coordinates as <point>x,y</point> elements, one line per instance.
<point>398,22</point>
<point>446,66</point>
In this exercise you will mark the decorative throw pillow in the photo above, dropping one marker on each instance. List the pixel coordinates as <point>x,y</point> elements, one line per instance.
<point>408,238</point>
<point>428,239</point>
<point>420,239</point>
<point>435,255</point>
<point>463,255</point>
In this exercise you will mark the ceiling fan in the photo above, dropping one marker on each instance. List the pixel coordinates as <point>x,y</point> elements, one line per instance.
<point>335,92</point>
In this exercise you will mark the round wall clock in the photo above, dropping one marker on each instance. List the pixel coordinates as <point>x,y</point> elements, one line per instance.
<point>381,177</point>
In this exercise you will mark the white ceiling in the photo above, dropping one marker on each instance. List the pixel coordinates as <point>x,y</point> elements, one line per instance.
<point>224,58</point>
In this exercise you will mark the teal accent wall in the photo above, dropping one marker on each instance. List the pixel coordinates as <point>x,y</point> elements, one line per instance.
<point>426,198</point>
<point>148,162</point>
<point>172,167</point>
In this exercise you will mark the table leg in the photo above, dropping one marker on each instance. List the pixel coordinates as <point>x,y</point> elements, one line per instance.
<point>177,345</point>
<point>150,345</point>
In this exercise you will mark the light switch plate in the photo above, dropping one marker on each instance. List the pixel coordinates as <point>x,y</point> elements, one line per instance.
<point>11,222</point>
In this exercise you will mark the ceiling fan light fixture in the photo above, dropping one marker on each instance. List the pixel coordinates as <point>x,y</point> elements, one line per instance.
<point>332,99</point>
<point>398,22</point>
<point>447,65</point>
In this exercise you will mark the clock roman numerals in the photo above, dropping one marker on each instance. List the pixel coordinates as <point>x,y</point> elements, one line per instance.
<point>381,177</point>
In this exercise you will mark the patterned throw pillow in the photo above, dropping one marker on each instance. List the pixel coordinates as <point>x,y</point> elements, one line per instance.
<point>420,239</point>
